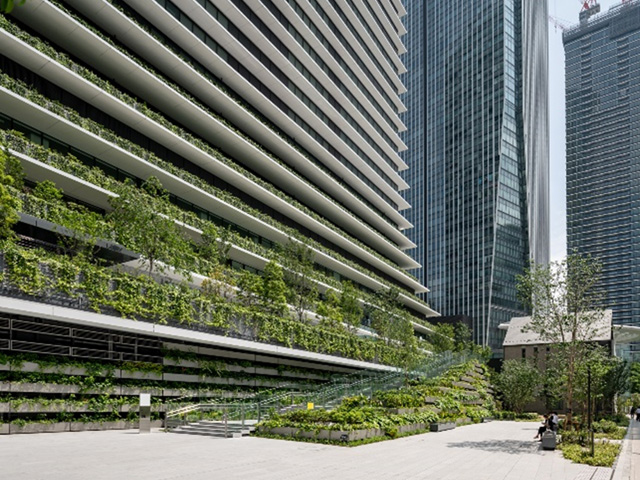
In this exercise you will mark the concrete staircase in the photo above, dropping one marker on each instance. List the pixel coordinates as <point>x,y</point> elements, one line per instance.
<point>217,429</point>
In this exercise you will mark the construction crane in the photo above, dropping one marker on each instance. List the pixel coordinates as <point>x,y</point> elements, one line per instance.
<point>589,8</point>
<point>559,23</point>
<point>589,4</point>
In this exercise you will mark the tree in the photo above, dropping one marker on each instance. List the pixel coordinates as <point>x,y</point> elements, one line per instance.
<point>518,382</point>
<point>634,377</point>
<point>566,306</point>
<point>215,245</point>
<point>350,307</point>
<point>141,228</point>
<point>330,313</point>
<point>273,289</point>
<point>297,262</point>
<point>6,6</point>
<point>443,338</point>
<point>82,227</point>
<point>389,319</point>
<point>214,248</point>
<point>9,204</point>
<point>249,288</point>
<point>47,191</point>
<point>609,378</point>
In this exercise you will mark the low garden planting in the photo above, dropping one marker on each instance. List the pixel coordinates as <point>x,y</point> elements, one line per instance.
<point>421,405</point>
<point>608,436</point>
<point>45,393</point>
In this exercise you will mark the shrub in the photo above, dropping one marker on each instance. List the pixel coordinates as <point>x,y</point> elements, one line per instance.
<point>605,426</point>
<point>508,415</point>
<point>604,454</point>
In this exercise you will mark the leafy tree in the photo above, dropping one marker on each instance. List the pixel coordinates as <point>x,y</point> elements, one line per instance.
<point>6,6</point>
<point>634,377</point>
<point>273,289</point>
<point>518,383</point>
<point>566,306</point>
<point>82,226</point>
<point>47,190</point>
<point>215,245</point>
<point>442,339</point>
<point>84,229</point>
<point>249,288</point>
<point>389,319</point>
<point>140,227</point>
<point>13,168</point>
<point>297,262</point>
<point>350,308</point>
<point>330,313</point>
<point>9,204</point>
<point>219,285</point>
<point>609,378</point>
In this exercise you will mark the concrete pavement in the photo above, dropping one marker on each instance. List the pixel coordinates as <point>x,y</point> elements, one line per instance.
<point>628,466</point>
<point>492,451</point>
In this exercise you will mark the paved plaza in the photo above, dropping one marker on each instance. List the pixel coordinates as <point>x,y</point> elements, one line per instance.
<point>492,451</point>
<point>628,466</point>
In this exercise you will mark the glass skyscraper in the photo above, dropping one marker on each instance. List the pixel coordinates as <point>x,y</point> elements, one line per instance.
<point>477,138</point>
<point>603,151</point>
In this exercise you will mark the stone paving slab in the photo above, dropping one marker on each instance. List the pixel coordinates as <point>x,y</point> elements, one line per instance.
<point>628,465</point>
<point>491,451</point>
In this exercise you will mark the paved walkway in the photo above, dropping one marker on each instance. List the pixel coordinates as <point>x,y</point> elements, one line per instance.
<point>493,451</point>
<point>628,466</point>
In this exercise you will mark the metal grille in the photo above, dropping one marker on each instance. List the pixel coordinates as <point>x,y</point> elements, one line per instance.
<point>31,347</point>
<point>88,353</point>
<point>90,335</point>
<point>41,328</point>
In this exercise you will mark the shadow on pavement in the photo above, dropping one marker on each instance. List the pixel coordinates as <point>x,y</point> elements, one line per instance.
<point>505,446</point>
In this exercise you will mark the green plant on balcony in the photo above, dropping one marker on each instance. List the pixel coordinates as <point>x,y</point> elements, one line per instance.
<point>218,85</point>
<point>139,226</point>
<point>138,296</point>
<point>297,260</point>
<point>216,241</point>
<point>9,204</point>
<point>110,136</point>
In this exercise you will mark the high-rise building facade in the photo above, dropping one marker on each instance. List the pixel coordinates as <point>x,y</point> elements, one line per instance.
<point>264,123</point>
<point>603,150</point>
<point>477,138</point>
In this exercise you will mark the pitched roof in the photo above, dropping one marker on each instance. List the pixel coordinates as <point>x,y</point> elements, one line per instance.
<point>517,334</point>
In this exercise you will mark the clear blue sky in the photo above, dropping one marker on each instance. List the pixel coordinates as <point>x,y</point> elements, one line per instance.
<point>567,11</point>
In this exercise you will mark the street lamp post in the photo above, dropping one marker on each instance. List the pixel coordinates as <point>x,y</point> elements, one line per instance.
<point>590,425</point>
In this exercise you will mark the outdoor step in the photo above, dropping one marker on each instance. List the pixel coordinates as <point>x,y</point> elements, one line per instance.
<point>215,429</point>
<point>200,426</point>
<point>207,434</point>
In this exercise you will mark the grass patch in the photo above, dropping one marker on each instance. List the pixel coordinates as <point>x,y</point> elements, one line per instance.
<point>604,454</point>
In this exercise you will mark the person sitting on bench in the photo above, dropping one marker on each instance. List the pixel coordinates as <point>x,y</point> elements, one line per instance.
<point>543,428</point>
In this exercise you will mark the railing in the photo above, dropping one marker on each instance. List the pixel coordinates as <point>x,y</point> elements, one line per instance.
<point>359,383</point>
<point>599,18</point>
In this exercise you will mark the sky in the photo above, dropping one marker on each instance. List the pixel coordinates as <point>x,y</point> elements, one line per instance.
<point>567,12</point>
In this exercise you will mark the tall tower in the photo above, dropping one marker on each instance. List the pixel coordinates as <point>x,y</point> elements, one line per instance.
<point>603,150</point>
<point>477,143</point>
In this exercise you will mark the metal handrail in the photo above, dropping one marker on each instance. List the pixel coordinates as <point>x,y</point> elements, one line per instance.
<point>330,394</point>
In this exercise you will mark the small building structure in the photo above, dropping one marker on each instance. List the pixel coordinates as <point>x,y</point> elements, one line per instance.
<point>521,342</point>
